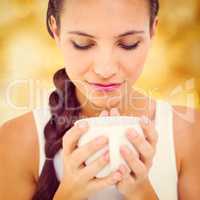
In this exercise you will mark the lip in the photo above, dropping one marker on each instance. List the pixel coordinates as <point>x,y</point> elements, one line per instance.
<point>106,87</point>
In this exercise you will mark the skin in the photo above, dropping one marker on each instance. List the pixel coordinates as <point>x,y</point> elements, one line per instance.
<point>104,62</point>
<point>20,178</point>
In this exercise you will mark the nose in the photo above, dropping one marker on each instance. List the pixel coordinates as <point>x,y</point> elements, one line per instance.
<point>105,66</point>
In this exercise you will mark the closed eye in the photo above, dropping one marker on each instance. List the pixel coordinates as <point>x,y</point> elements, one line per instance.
<point>126,47</point>
<point>130,47</point>
<point>82,47</point>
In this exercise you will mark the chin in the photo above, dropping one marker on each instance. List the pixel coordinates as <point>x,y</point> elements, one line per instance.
<point>105,103</point>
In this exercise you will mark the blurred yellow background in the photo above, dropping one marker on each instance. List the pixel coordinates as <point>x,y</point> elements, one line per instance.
<point>29,57</point>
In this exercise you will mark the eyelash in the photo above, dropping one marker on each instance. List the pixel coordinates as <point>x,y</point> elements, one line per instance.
<point>131,47</point>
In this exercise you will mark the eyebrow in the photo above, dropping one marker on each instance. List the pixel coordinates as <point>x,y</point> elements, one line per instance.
<point>132,32</point>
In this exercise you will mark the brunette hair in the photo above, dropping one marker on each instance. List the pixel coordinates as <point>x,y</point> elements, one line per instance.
<point>65,109</point>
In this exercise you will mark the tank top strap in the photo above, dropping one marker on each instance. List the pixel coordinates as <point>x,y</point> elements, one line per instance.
<point>41,117</point>
<point>163,174</point>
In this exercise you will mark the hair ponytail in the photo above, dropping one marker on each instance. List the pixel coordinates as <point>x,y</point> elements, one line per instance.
<point>64,108</point>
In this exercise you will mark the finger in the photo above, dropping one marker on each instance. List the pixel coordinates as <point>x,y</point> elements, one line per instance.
<point>72,136</point>
<point>114,112</point>
<point>137,167</point>
<point>82,153</point>
<point>128,179</point>
<point>91,170</point>
<point>104,113</point>
<point>149,130</point>
<point>98,184</point>
<point>142,145</point>
<point>125,171</point>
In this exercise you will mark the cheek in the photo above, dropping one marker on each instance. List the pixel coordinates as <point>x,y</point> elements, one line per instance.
<point>134,62</point>
<point>76,64</point>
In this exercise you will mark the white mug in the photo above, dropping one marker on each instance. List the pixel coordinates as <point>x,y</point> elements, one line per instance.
<point>113,127</point>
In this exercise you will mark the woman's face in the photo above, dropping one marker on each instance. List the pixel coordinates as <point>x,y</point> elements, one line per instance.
<point>116,37</point>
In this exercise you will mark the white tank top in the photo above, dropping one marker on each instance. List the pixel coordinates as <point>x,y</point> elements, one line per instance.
<point>163,173</point>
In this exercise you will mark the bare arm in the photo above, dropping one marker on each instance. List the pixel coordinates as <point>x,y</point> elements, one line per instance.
<point>17,159</point>
<point>189,149</point>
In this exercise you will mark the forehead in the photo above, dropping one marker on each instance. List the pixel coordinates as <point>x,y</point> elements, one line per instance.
<point>105,16</point>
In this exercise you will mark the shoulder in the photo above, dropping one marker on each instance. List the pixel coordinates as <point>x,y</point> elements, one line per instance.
<point>185,117</point>
<point>186,122</point>
<point>19,143</point>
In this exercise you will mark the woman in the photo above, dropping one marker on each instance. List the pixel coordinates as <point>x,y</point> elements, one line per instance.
<point>102,42</point>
